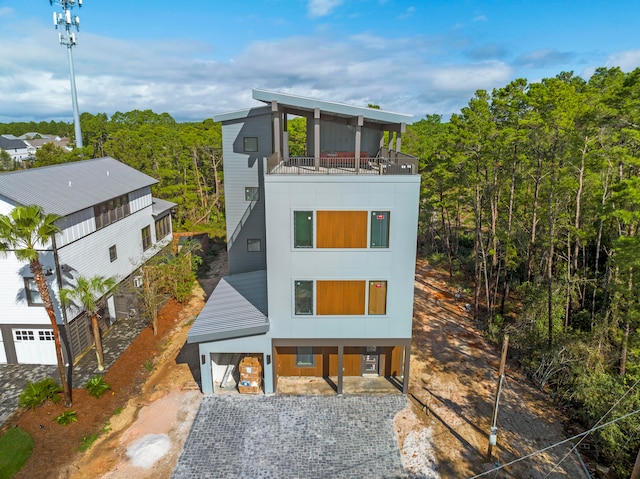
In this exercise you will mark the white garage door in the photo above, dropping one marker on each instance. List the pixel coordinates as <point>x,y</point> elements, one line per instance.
<point>34,346</point>
<point>3,353</point>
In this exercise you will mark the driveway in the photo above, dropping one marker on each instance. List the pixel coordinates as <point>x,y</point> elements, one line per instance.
<point>292,437</point>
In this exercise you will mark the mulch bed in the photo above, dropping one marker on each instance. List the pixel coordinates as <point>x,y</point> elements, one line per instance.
<point>56,445</point>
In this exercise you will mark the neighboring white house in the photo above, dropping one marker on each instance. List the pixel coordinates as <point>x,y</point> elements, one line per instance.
<point>321,247</point>
<point>110,225</point>
<point>17,149</point>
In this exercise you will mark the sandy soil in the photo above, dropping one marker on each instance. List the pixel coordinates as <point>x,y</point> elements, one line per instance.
<point>452,387</point>
<point>454,373</point>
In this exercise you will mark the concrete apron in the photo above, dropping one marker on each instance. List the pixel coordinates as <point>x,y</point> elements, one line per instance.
<point>303,385</point>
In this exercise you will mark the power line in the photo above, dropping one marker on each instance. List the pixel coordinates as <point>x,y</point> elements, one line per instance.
<point>556,444</point>
<point>575,446</point>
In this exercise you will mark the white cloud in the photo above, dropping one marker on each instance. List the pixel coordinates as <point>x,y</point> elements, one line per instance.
<point>321,8</point>
<point>627,60</point>
<point>407,13</point>
<point>480,18</point>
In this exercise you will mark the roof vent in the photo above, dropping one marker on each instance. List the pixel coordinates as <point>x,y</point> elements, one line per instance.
<point>107,172</point>
<point>69,183</point>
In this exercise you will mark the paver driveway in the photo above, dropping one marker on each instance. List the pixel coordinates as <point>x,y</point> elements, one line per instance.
<point>284,437</point>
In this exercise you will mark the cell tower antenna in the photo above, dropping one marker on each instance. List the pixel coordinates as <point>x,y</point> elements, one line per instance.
<point>66,22</point>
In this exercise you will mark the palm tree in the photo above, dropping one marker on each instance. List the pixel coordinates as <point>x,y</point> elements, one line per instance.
<point>23,231</point>
<point>86,294</point>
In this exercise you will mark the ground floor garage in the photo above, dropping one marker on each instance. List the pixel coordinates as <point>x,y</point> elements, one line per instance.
<point>333,359</point>
<point>27,344</point>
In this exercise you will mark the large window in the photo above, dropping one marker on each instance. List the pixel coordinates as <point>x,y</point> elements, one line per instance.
<point>303,229</point>
<point>163,227</point>
<point>146,238</point>
<point>305,357</point>
<point>340,297</point>
<point>380,229</point>
<point>111,211</point>
<point>33,295</point>
<point>377,297</point>
<point>303,293</point>
<point>342,229</point>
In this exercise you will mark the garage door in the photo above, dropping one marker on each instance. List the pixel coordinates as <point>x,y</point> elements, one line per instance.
<point>34,346</point>
<point>3,354</point>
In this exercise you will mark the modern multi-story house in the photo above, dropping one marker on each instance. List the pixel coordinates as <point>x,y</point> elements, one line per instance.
<point>321,247</point>
<point>110,224</point>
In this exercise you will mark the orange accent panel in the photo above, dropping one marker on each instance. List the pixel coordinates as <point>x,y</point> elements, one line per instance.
<point>340,297</point>
<point>341,229</point>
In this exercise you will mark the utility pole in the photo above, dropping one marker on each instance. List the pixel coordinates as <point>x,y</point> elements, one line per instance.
<point>635,474</point>
<point>493,435</point>
<point>66,21</point>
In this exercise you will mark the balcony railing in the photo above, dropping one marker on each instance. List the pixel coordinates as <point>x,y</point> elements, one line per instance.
<point>328,164</point>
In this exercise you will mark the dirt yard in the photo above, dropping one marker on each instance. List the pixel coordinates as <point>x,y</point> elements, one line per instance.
<point>453,374</point>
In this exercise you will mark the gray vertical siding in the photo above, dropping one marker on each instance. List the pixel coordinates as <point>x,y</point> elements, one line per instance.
<point>242,170</point>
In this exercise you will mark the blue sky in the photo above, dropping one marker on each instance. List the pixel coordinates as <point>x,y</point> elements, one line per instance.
<point>196,58</point>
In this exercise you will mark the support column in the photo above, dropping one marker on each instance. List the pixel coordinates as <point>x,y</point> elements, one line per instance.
<point>275,115</point>
<point>403,128</point>
<point>358,141</point>
<point>316,138</point>
<point>340,367</point>
<point>285,138</point>
<point>405,370</point>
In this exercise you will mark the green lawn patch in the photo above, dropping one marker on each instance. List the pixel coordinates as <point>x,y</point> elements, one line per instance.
<point>15,448</point>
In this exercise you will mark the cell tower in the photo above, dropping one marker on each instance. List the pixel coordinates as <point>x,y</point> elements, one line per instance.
<point>67,21</point>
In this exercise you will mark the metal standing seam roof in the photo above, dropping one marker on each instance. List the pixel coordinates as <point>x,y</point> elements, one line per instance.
<point>236,308</point>
<point>160,206</point>
<point>70,187</point>
<point>309,104</point>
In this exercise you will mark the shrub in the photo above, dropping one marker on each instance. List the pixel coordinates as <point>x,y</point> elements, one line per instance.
<point>16,446</point>
<point>66,417</point>
<point>148,365</point>
<point>87,441</point>
<point>97,386</point>
<point>39,392</point>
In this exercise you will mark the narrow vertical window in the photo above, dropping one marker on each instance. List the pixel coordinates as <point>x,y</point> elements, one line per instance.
<point>113,253</point>
<point>377,297</point>
<point>303,229</point>
<point>303,293</point>
<point>380,229</point>
<point>146,238</point>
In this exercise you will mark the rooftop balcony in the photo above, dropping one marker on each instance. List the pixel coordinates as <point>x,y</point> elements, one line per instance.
<point>386,162</point>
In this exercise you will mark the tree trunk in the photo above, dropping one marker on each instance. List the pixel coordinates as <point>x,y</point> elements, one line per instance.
<point>534,220</point>
<point>38,275</point>
<point>98,340</point>
<point>550,257</point>
<point>623,349</point>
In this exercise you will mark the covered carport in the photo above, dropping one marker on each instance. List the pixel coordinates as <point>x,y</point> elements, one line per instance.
<point>233,324</point>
